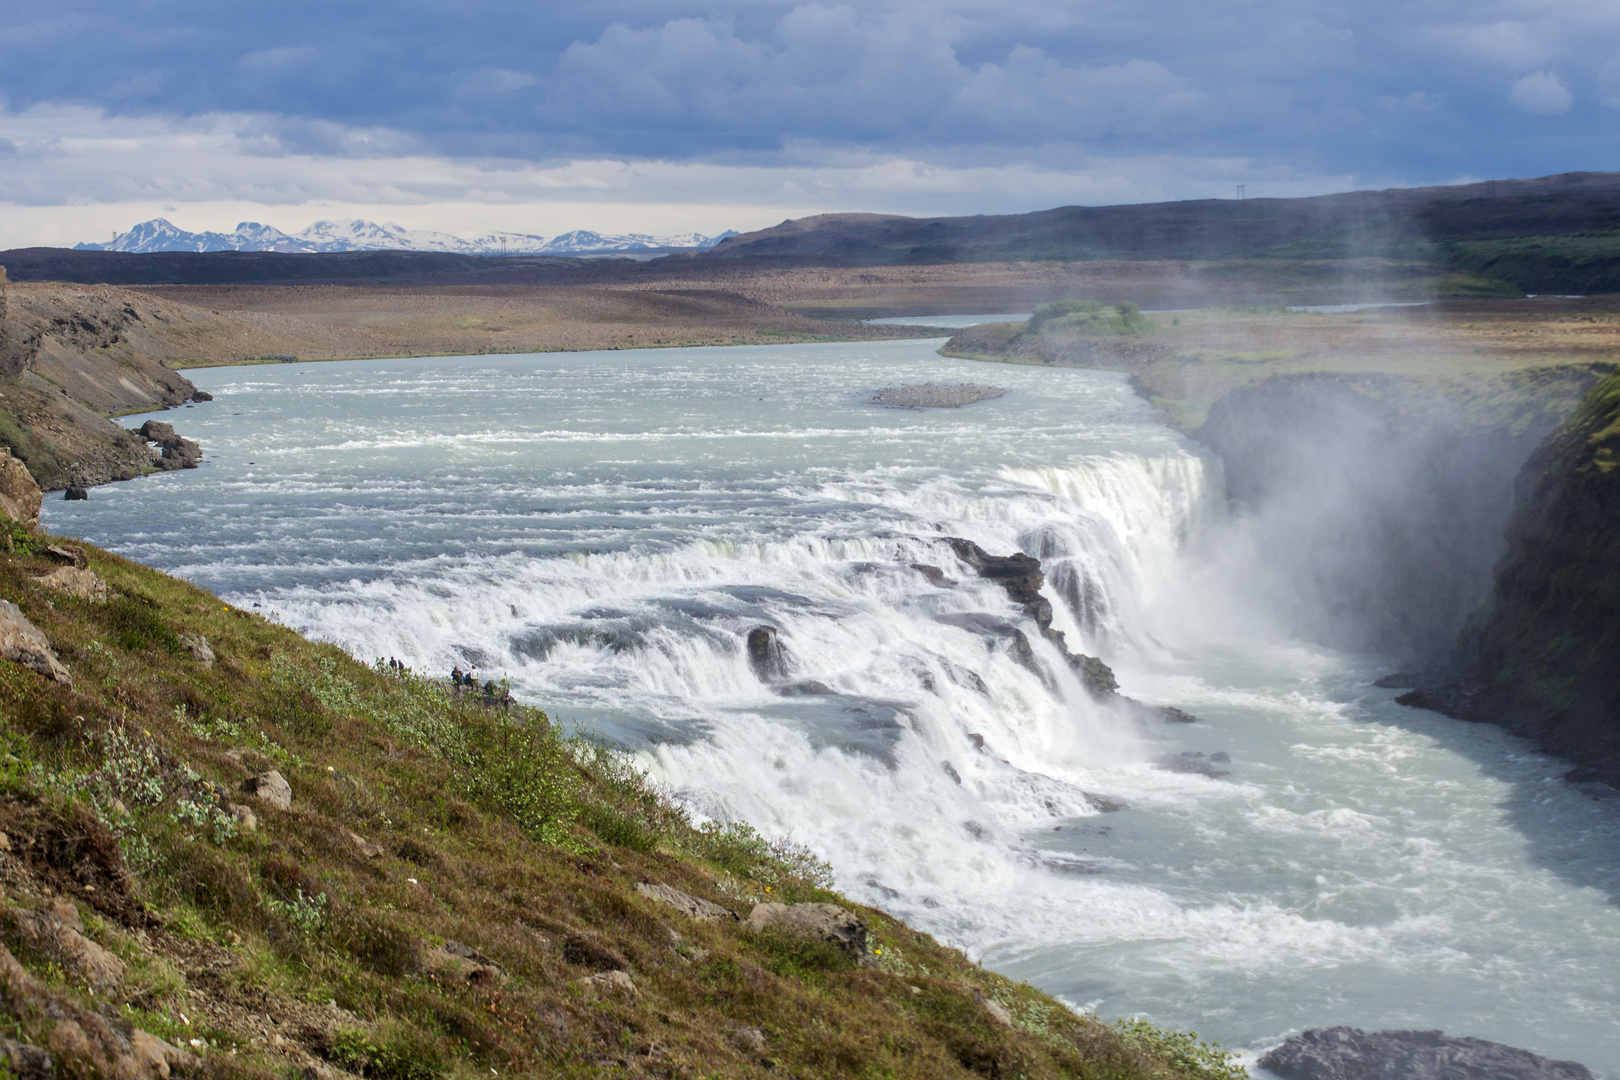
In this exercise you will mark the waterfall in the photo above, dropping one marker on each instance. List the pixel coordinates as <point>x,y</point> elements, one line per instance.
<point>914,718</point>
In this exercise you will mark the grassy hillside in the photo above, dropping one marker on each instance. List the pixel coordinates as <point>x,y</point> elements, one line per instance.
<point>452,891</point>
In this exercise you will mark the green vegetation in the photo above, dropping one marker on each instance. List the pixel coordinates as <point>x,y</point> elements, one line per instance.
<point>1090,317</point>
<point>1580,264</point>
<point>32,451</point>
<point>450,890</point>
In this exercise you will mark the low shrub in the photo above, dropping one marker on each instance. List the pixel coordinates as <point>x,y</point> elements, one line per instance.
<point>1089,317</point>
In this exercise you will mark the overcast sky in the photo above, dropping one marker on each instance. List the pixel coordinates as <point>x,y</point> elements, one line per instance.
<point>666,115</point>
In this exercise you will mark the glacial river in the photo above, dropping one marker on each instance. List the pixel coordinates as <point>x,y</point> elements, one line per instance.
<point>605,529</point>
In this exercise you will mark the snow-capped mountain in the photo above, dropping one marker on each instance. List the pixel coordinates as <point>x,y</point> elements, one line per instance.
<point>160,234</point>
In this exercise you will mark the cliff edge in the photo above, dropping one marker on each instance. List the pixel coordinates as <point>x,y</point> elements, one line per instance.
<point>1542,657</point>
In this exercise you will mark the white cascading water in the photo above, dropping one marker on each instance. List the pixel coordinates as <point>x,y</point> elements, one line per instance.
<point>606,530</point>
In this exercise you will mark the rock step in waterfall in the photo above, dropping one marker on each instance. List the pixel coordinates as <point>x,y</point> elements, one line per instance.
<point>1022,577</point>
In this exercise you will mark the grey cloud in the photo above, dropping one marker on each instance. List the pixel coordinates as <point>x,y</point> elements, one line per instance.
<point>1033,95</point>
<point>1286,83</point>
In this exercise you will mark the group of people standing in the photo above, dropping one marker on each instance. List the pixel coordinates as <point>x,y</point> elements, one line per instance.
<point>468,681</point>
<point>463,681</point>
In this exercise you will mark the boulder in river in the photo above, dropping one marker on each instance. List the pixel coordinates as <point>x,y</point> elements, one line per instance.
<point>178,451</point>
<point>1193,762</point>
<point>75,493</point>
<point>766,654</point>
<point>202,395</point>
<point>1347,1053</point>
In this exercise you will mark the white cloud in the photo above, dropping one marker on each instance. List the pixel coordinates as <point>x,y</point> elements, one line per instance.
<point>1541,92</point>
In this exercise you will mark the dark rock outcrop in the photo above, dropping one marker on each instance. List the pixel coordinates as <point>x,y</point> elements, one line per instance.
<point>202,395</point>
<point>75,493</point>
<point>1346,1053</point>
<point>1542,656</point>
<point>1022,577</point>
<point>766,654</point>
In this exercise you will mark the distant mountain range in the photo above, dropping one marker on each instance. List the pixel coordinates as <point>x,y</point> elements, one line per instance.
<point>160,234</point>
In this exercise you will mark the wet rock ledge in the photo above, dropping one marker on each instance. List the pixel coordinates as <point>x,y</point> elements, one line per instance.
<point>1347,1053</point>
<point>934,395</point>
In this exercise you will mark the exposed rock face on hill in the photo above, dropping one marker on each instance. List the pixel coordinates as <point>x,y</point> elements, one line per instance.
<point>20,496</point>
<point>70,357</point>
<point>1542,657</point>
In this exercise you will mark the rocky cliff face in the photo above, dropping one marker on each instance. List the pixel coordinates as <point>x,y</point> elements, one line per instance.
<point>70,357</point>
<point>1542,657</point>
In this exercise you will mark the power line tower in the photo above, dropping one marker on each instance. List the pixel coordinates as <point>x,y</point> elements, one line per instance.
<point>1241,188</point>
